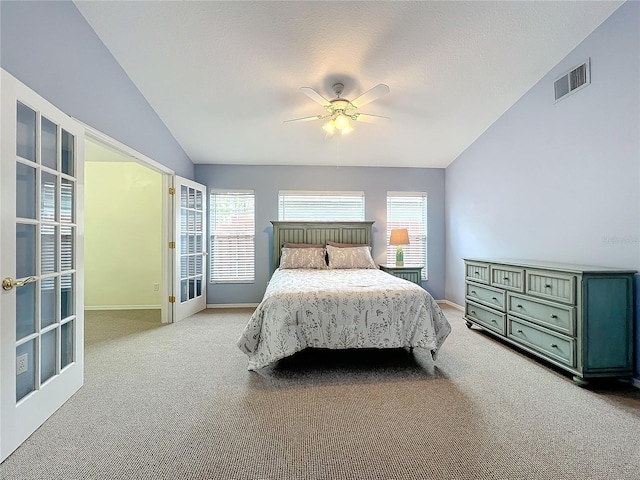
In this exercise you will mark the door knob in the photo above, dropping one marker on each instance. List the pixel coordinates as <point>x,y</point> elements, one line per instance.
<point>8,283</point>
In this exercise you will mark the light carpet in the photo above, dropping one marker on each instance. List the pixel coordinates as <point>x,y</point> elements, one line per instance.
<point>177,402</point>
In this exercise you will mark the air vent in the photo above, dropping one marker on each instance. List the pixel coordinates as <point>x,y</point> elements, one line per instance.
<point>572,81</point>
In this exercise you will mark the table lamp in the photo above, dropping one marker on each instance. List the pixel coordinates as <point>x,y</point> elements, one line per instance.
<point>399,237</point>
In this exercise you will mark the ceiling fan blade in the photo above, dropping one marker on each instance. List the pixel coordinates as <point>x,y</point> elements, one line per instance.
<point>315,96</point>
<point>371,95</point>
<point>368,118</point>
<point>307,119</point>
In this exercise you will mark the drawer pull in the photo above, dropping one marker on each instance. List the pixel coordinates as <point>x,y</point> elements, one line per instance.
<point>476,273</point>
<point>506,278</point>
<point>494,321</point>
<point>473,311</point>
<point>519,306</point>
<point>494,298</point>
<point>553,345</point>
<point>520,331</point>
<point>473,291</point>
<point>547,285</point>
<point>553,315</point>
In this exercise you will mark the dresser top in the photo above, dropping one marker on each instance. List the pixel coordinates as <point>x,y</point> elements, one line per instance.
<point>567,267</point>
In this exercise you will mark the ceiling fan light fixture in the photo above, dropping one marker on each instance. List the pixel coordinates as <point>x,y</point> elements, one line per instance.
<point>340,110</point>
<point>341,121</point>
<point>329,127</point>
<point>347,129</point>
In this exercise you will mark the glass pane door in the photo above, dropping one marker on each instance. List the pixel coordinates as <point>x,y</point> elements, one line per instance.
<point>44,254</point>
<point>41,342</point>
<point>189,207</point>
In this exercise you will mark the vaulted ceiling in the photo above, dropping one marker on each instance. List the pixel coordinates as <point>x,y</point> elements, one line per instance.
<point>224,76</point>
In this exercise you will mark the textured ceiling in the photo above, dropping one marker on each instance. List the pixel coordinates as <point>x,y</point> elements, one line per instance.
<point>223,76</point>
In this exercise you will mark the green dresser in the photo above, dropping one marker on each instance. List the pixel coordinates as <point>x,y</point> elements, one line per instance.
<point>577,317</point>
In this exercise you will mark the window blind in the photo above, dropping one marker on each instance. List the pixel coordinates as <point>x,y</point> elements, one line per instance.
<point>232,227</point>
<point>320,206</point>
<point>49,231</point>
<point>408,210</point>
<point>66,230</point>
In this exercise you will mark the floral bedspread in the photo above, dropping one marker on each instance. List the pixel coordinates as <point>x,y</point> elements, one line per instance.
<point>339,309</point>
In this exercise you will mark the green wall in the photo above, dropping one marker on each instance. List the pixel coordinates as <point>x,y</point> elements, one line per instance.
<point>123,231</point>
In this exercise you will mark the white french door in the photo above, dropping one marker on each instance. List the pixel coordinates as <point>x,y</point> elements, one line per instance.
<point>41,260</point>
<point>190,285</point>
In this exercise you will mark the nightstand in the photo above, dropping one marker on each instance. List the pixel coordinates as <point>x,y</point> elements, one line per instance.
<point>413,273</point>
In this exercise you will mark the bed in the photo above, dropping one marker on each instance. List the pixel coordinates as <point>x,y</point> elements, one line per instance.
<point>352,304</point>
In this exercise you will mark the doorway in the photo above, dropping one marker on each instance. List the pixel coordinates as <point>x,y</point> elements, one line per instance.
<point>128,229</point>
<point>123,232</point>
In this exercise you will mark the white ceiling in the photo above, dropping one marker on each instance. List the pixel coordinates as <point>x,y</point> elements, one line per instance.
<point>223,76</point>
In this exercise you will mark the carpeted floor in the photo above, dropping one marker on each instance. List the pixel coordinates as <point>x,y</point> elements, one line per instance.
<point>176,402</point>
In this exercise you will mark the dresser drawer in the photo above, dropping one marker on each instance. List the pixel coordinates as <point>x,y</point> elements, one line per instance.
<point>478,272</point>
<point>508,278</point>
<point>488,318</point>
<point>561,318</point>
<point>556,346</point>
<point>554,286</point>
<point>492,297</point>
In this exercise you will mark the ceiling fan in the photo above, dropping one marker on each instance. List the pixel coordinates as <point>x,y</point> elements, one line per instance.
<point>340,110</point>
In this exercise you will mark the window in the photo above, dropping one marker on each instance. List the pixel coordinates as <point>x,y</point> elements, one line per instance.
<point>232,227</point>
<point>408,210</point>
<point>320,206</point>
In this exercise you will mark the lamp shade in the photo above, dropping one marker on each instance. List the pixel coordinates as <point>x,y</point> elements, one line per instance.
<point>399,236</point>
<point>329,127</point>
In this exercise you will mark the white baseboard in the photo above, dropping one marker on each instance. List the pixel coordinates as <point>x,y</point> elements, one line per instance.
<point>123,307</point>
<point>232,305</point>
<point>451,304</point>
<point>636,382</point>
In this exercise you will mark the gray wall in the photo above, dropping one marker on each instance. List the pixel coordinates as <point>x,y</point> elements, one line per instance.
<point>560,181</point>
<point>266,181</point>
<point>50,47</point>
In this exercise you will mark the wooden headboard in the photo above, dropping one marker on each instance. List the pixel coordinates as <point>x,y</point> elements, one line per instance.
<point>318,233</point>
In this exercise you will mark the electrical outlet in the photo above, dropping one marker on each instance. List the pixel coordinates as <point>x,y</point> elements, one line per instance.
<point>22,363</point>
<point>156,287</point>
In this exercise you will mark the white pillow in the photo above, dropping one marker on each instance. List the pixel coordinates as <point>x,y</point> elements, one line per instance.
<point>303,258</point>
<point>350,257</point>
